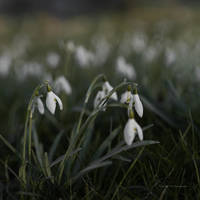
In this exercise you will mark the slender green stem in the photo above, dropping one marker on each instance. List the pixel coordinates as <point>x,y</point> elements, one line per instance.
<point>28,115</point>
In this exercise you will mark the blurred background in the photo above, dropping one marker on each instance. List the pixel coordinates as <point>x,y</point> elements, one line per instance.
<point>155,43</point>
<point>68,8</point>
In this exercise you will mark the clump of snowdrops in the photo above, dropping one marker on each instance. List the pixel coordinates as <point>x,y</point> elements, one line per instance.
<point>37,168</point>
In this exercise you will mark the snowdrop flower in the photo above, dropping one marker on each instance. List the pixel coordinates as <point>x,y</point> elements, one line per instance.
<point>5,63</point>
<point>83,56</point>
<point>37,102</point>
<point>127,96</point>
<point>53,59</point>
<point>29,69</point>
<point>132,100</point>
<point>170,56</point>
<point>51,100</point>
<point>125,68</point>
<point>71,46</point>
<point>132,128</point>
<point>40,105</point>
<point>139,42</point>
<point>107,89</point>
<point>150,53</point>
<point>102,51</point>
<point>100,95</point>
<point>61,83</point>
<point>138,105</point>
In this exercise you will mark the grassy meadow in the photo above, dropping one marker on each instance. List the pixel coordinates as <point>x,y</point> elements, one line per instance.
<point>79,152</point>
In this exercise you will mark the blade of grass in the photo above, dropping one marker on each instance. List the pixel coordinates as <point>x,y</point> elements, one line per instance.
<point>126,174</point>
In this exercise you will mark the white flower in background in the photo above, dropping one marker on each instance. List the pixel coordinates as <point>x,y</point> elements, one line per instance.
<point>83,56</point>
<point>62,84</point>
<point>125,69</point>
<point>20,45</point>
<point>170,56</point>
<point>132,128</point>
<point>102,50</point>
<point>53,59</point>
<point>139,42</point>
<point>150,53</point>
<point>138,105</point>
<point>107,89</point>
<point>100,95</point>
<point>197,72</point>
<point>29,69</point>
<point>71,46</point>
<point>51,101</point>
<point>5,63</point>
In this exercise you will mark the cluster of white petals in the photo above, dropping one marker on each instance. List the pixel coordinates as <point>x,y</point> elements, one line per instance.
<point>98,101</point>
<point>132,128</point>
<point>51,101</point>
<point>132,100</point>
<point>62,84</point>
<point>53,59</point>
<point>125,68</point>
<point>106,89</point>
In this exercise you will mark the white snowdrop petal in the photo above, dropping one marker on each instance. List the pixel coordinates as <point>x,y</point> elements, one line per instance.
<point>50,102</point>
<point>100,95</point>
<point>126,97</point>
<point>107,88</point>
<point>138,105</point>
<point>123,97</point>
<point>139,131</point>
<point>114,96</point>
<point>129,132</point>
<point>40,106</point>
<point>59,101</point>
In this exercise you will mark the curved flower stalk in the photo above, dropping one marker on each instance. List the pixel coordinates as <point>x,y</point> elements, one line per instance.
<point>132,128</point>
<point>62,84</point>
<point>51,101</point>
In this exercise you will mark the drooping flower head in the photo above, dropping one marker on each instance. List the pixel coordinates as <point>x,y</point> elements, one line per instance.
<point>98,103</point>
<point>132,128</point>
<point>107,88</point>
<point>51,101</point>
<point>127,96</point>
<point>37,103</point>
